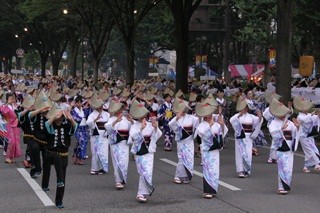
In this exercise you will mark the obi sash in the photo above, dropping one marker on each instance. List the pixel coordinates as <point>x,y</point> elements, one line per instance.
<point>186,132</point>
<point>314,132</point>
<point>247,128</point>
<point>144,146</point>
<point>217,142</point>
<point>100,125</point>
<point>122,135</point>
<point>287,135</point>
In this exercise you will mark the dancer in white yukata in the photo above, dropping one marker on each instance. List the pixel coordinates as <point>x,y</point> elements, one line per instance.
<point>118,128</point>
<point>269,117</point>
<point>246,127</point>
<point>143,136</point>
<point>183,125</point>
<point>211,134</point>
<point>307,132</point>
<point>285,137</point>
<point>99,141</point>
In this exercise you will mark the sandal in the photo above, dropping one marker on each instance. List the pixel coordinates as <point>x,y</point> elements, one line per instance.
<point>119,186</point>
<point>282,192</point>
<point>177,181</point>
<point>141,199</point>
<point>207,196</point>
<point>255,152</point>
<point>306,170</point>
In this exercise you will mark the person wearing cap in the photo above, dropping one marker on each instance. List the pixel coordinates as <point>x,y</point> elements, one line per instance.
<point>13,131</point>
<point>246,127</point>
<point>211,134</point>
<point>98,140</point>
<point>164,116</point>
<point>285,140</point>
<point>37,119</point>
<point>80,114</point>
<point>118,128</point>
<point>307,132</point>
<point>60,127</point>
<point>143,136</point>
<point>28,137</point>
<point>183,125</point>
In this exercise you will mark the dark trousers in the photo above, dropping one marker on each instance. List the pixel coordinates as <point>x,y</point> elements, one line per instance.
<point>34,149</point>
<point>60,164</point>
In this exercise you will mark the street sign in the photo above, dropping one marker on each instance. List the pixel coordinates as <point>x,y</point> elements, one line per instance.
<point>20,53</point>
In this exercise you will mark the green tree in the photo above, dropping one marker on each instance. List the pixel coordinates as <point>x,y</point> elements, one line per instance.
<point>182,11</point>
<point>128,14</point>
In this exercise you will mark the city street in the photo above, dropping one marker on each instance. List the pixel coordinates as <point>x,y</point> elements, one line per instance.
<point>88,193</point>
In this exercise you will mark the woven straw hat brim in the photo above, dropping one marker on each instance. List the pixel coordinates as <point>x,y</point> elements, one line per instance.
<point>269,96</point>
<point>241,105</point>
<point>301,104</point>
<point>96,104</point>
<point>42,101</point>
<point>179,105</point>
<point>104,95</point>
<point>211,100</point>
<point>137,110</point>
<point>278,109</point>
<point>192,97</point>
<point>204,109</point>
<point>179,94</point>
<point>28,102</point>
<point>114,107</point>
<point>88,95</point>
<point>125,93</point>
<point>72,93</point>
<point>55,96</point>
<point>116,91</point>
<point>53,111</point>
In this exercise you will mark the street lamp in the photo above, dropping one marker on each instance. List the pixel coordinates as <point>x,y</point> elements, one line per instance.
<point>65,11</point>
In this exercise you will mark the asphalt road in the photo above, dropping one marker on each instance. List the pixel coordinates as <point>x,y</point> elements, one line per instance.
<point>88,193</point>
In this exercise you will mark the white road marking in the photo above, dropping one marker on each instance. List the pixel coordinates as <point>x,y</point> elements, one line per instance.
<point>36,188</point>
<point>233,188</point>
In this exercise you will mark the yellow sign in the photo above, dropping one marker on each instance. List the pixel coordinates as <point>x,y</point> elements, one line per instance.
<point>306,65</point>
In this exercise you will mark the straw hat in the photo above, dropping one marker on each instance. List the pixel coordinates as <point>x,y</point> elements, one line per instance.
<point>168,91</point>
<point>80,85</point>
<point>72,93</point>
<point>42,101</point>
<point>30,90</point>
<point>149,97</point>
<point>269,96</point>
<point>277,108</point>
<point>55,96</point>
<point>211,100</point>
<point>179,94</point>
<point>205,109</point>
<point>137,110</point>
<point>87,94</point>
<point>302,104</point>
<point>125,93</point>
<point>115,106</point>
<point>21,87</point>
<point>96,102</point>
<point>116,91</point>
<point>179,105</point>
<point>103,94</point>
<point>28,102</point>
<point>192,97</point>
<point>241,104</point>
<point>53,111</point>
<point>153,90</point>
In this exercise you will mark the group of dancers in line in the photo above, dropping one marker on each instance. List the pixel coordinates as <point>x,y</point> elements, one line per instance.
<point>119,118</point>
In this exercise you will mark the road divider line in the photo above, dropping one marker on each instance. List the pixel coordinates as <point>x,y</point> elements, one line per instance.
<point>224,184</point>
<point>36,188</point>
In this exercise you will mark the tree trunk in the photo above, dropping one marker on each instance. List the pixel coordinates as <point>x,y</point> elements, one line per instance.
<point>181,39</point>
<point>55,67</point>
<point>1,67</point>
<point>95,70</point>
<point>74,48</point>
<point>284,41</point>
<point>43,61</point>
<point>226,50</point>
<point>130,53</point>
<point>5,66</point>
